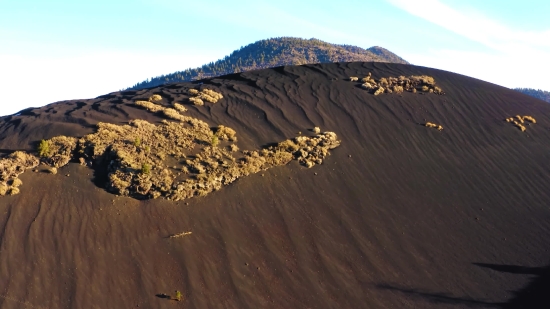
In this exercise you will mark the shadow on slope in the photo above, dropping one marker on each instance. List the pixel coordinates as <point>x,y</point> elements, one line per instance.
<point>535,294</point>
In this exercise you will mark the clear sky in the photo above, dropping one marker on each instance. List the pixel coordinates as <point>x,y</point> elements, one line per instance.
<point>59,49</point>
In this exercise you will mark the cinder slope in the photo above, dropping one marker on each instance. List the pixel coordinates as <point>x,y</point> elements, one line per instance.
<point>399,216</point>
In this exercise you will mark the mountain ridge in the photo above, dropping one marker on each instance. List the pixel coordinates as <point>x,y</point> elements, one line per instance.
<point>535,93</point>
<point>274,52</point>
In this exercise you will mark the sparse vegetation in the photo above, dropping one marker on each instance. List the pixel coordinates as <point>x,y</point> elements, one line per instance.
<point>214,142</point>
<point>226,133</point>
<point>152,107</point>
<point>143,172</point>
<point>196,101</point>
<point>145,168</point>
<point>44,148</point>
<point>433,125</point>
<point>400,84</point>
<point>316,130</point>
<point>178,296</point>
<point>180,108</point>
<point>520,121</point>
<point>155,98</point>
<point>182,234</point>
<point>11,166</point>
<point>207,95</point>
<point>353,78</point>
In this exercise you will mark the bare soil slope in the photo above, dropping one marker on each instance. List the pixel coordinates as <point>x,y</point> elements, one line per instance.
<point>399,216</point>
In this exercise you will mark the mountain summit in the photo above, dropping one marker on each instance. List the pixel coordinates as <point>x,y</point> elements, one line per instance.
<point>276,52</point>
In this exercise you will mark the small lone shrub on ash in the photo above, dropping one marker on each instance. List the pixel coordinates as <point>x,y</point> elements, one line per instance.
<point>44,148</point>
<point>145,168</point>
<point>178,296</point>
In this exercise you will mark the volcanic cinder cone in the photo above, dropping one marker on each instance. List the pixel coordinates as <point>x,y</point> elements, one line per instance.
<point>400,215</point>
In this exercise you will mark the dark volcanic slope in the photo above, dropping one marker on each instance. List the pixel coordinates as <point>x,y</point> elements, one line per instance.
<point>399,216</point>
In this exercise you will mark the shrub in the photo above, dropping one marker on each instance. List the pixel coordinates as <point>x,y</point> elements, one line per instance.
<point>155,98</point>
<point>216,95</point>
<point>137,142</point>
<point>44,148</point>
<point>398,89</point>
<point>316,130</point>
<point>180,108</point>
<point>379,91</point>
<point>208,98</point>
<point>3,189</point>
<point>531,119</point>
<point>16,182</point>
<point>145,168</point>
<point>178,296</point>
<point>519,118</point>
<point>149,106</point>
<point>193,91</point>
<point>13,191</point>
<point>196,101</point>
<point>226,133</point>
<point>353,78</point>
<point>172,113</point>
<point>425,88</point>
<point>214,142</point>
<point>233,148</point>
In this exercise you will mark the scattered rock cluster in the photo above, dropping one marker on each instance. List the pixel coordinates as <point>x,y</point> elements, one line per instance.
<point>399,84</point>
<point>433,125</point>
<point>520,121</point>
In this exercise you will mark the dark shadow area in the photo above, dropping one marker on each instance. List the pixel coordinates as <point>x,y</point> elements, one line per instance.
<point>162,295</point>
<point>441,298</point>
<point>533,296</point>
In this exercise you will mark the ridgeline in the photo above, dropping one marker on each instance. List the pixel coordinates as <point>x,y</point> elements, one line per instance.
<point>276,52</point>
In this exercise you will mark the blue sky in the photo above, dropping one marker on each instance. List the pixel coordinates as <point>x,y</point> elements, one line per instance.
<point>59,50</point>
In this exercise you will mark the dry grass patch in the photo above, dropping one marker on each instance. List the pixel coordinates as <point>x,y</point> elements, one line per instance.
<point>433,125</point>
<point>400,84</point>
<point>518,121</point>
<point>180,108</point>
<point>182,234</point>
<point>11,167</point>
<point>226,133</point>
<point>196,101</point>
<point>155,98</point>
<point>152,107</point>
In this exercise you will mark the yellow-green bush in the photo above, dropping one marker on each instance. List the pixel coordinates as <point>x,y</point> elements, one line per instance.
<point>44,148</point>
